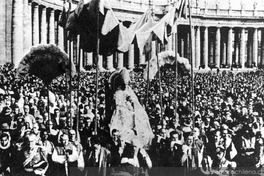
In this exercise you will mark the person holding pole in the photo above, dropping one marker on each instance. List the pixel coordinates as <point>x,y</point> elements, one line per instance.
<point>65,156</point>
<point>34,159</point>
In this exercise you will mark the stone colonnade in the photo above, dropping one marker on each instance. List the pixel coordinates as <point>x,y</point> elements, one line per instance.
<point>213,47</point>
<point>223,47</point>
<point>32,24</point>
<point>39,25</point>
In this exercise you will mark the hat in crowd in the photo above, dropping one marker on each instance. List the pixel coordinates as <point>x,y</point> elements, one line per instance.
<point>124,73</point>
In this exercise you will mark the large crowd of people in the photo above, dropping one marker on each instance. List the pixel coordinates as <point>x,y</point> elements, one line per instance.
<point>217,128</point>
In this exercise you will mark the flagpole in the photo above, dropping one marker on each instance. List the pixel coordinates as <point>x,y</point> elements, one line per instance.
<point>70,56</point>
<point>176,69</point>
<point>148,82</point>
<point>66,50</point>
<point>149,57</point>
<point>78,83</point>
<point>160,93</point>
<point>64,30</point>
<point>191,59</point>
<point>48,107</point>
<point>97,66</point>
<point>176,55</point>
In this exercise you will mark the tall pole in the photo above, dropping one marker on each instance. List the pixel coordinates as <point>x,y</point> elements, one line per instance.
<point>176,69</point>
<point>78,84</point>
<point>48,108</point>
<point>70,56</point>
<point>97,66</point>
<point>176,56</point>
<point>160,94</point>
<point>64,30</point>
<point>191,59</point>
<point>148,55</point>
<point>147,101</point>
<point>65,45</point>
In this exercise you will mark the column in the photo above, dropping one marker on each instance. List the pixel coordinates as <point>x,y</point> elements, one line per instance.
<point>131,57</point>
<point>192,46</point>
<point>224,53</point>
<point>205,47</point>
<point>255,46</point>
<point>100,62</point>
<point>61,35</point>
<point>211,52</point>
<point>17,33</point>
<point>43,29</point>
<point>52,27</point>
<point>81,60</point>
<point>242,47</point>
<point>69,48</point>
<point>2,33</point>
<point>8,31</point>
<point>85,59</point>
<point>35,24</point>
<point>158,49</point>
<point>90,58</point>
<point>169,43</point>
<point>262,48</point>
<point>229,46</point>
<point>27,25</point>
<point>110,62</point>
<point>153,48</point>
<point>182,47</point>
<point>224,47</point>
<point>77,48</point>
<point>188,46</point>
<point>237,46</point>
<point>198,47</point>
<point>120,60</point>
<point>72,53</point>
<point>250,48</point>
<point>173,38</point>
<point>142,59</point>
<point>217,47</point>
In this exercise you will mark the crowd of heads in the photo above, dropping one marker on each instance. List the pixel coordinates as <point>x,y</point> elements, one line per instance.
<point>219,118</point>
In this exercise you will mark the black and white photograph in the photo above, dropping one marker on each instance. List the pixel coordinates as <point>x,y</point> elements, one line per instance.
<point>131,87</point>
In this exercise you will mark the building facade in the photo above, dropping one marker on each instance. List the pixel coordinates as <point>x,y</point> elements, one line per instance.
<point>224,33</point>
